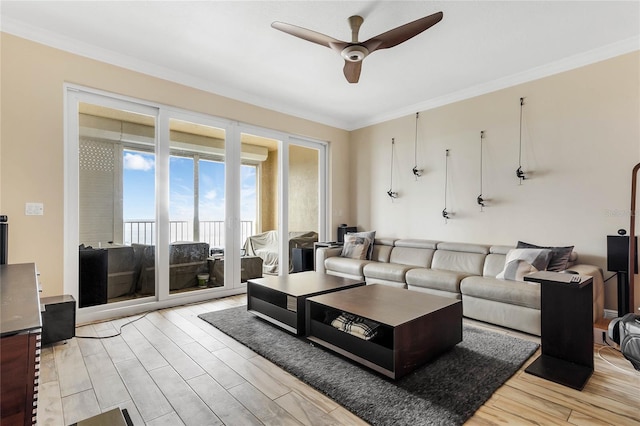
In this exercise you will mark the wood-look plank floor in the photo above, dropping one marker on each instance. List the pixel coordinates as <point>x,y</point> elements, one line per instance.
<point>171,368</point>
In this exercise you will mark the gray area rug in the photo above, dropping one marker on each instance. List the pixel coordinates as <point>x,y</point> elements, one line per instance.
<point>446,391</point>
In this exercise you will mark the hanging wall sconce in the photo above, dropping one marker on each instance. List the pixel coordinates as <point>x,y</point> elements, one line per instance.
<point>519,173</point>
<point>391,193</point>
<point>480,200</point>
<point>416,171</point>
<point>445,213</point>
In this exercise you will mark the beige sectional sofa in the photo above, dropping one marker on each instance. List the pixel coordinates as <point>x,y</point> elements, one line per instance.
<point>458,270</point>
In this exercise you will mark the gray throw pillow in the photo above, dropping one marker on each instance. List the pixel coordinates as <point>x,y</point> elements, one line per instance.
<point>371,237</point>
<point>559,255</point>
<point>354,247</point>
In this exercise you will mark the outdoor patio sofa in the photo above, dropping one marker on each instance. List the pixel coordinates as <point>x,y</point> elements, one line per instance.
<point>265,245</point>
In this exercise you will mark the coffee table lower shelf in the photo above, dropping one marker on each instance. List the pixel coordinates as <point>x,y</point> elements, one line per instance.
<point>369,354</point>
<point>413,328</point>
<point>281,317</point>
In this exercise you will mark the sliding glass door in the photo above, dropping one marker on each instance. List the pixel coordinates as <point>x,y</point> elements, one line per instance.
<point>196,206</point>
<point>304,197</point>
<point>259,209</point>
<point>116,203</point>
<point>165,206</point>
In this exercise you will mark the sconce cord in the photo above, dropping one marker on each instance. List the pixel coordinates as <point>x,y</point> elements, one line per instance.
<point>480,200</point>
<point>519,173</point>
<point>390,192</point>
<point>416,172</point>
<point>445,214</point>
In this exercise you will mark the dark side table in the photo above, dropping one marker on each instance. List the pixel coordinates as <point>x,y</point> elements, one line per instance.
<point>302,259</point>
<point>58,318</point>
<point>567,329</point>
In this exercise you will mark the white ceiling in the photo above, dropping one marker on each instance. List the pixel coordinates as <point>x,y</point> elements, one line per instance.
<point>229,47</point>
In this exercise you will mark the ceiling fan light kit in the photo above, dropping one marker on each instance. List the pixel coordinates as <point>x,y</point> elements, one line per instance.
<point>355,51</point>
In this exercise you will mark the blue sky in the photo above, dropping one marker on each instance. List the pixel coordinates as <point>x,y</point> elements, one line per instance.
<point>139,188</point>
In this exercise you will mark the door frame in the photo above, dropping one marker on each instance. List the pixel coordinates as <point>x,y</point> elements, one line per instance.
<point>74,94</point>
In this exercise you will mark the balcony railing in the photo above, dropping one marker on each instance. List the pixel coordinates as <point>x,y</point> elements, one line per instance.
<point>211,231</point>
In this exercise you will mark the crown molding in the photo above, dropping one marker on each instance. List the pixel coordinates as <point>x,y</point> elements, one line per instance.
<point>572,62</point>
<point>67,44</point>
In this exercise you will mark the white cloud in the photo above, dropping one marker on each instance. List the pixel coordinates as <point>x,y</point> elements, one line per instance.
<point>137,162</point>
<point>210,195</point>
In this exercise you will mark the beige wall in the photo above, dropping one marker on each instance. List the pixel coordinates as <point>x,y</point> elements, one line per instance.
<point>581,140</point>
<point>31,139</point>
<point>303,189</point>
<point>269,192</point>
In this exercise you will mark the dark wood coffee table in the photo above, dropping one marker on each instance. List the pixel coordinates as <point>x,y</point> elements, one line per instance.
<point>281,299</point>
<point>414,327</point>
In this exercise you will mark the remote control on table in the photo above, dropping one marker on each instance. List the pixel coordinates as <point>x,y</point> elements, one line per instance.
<point>575,279</point>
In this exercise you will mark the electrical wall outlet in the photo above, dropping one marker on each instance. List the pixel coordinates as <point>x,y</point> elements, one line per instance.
<point>34,209</point>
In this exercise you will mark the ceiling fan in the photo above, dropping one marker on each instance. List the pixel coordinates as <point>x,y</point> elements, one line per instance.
<point>355,51</point>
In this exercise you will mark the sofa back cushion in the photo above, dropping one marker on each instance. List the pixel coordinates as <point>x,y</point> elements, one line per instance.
<point>382,250</point>
<point>413,252</point>
<point>460,257</point>
<point>494,262</point>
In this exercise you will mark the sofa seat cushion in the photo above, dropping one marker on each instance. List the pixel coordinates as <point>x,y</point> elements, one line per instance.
<point>345,265</point>
<point>436,279</point>
<point>518,293</point>
<point>386,271</point>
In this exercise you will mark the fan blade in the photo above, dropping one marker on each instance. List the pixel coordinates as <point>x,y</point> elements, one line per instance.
<point>309,35</point>
<point>352,71</point>
<point>402,33</point>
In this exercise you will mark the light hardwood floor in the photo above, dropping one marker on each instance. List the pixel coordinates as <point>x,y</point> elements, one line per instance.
<point>171,368</point>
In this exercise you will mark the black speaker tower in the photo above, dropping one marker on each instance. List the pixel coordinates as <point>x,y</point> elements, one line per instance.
<point>4,240</point>
<point>618,261</point>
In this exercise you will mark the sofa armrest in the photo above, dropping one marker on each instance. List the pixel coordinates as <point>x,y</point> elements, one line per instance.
<point>323,253</point>
<point>598,287</point>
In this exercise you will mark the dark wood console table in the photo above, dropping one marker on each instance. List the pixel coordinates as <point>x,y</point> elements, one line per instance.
<point>567,329</point>
<point>20,325</point>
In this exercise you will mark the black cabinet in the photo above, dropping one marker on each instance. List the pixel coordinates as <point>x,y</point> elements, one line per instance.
<point>302,259</point>
<point>344,230</point>
<point>93,277</point>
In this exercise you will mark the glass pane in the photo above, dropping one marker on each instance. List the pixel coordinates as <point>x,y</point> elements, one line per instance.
<point>303,206</point>
<point>116,205</point>
<point>259,207</point>
<point>211,203</point>
<point>181,196</point>
<point>248,201</point>
<point>196,206</point>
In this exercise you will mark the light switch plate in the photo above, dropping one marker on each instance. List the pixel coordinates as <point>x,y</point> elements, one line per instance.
<point>34,209</point>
